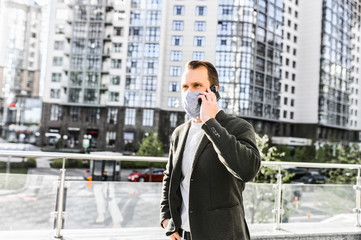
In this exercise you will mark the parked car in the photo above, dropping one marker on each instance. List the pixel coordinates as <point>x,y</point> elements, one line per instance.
<point>313,177</point>
<point>145,176</point>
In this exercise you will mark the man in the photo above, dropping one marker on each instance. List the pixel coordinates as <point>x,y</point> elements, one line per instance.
<point>211,158</point>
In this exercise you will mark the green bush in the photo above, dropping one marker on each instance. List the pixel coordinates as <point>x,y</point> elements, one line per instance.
<point>31,162</point>
<point>69,163</point>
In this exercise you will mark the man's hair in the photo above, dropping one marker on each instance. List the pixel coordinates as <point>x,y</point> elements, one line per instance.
<point>212,72</point>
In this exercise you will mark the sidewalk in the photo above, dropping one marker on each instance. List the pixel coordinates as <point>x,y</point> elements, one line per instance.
<point>309,231</point>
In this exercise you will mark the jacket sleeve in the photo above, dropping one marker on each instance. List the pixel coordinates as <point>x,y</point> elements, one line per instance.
<point>164,203</point>
<point>237,151</point>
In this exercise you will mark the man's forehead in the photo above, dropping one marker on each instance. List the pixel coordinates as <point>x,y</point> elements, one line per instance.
<point>200,73</point>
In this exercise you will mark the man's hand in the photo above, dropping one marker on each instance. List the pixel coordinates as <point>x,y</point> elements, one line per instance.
<point>174,236</point>
<point>209,107</point>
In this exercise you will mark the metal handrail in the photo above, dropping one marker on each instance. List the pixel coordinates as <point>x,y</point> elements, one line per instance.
<point>6,153</point>
<point>278,211</point>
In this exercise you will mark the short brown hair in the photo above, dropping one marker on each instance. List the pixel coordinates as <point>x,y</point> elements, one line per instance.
<point>212,72</point>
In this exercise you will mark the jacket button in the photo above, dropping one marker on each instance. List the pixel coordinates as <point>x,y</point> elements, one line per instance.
<point>190,211</point>
<point>192,179</point>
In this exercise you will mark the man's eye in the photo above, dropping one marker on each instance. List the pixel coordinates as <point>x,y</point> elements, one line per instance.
<point>185,87</point>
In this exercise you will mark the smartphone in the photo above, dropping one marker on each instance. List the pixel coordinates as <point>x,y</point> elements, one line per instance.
<point>213,89</point>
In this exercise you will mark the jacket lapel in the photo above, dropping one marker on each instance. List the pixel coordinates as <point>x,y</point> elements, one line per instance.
<point>203,143</point>
<point>178,156</point>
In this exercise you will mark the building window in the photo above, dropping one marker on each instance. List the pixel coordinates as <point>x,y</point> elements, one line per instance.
<point>54,93</point>
<point>93,115</point>
<point>199,41</point>
<point>177,40</point>
<point>118,31</point>
<point>74,95</point>
<point>151,50</point>
<point>59,29</point>
<point>294,52</point>
<point>293,77</point>
<point>114,96</point>
<point>198,56</point>
<point>174,87</point>
<point>57,61</point>
<point>176,56</point>
<point>56,77</point>
<point>152,34</point>
<point>286,88</point>
<point>201,10</point>
<point>295,39</point>
<point>284,114</point>
<point>115,80</point>
<point>117,47</point>
<point>148,100</point>
<point>149,83</point>
<point>173,118</point>
<point>128,140</point>
<point>110,139</point>
<point>175,71</point>
<point>153,18</point>
<point>91,96</point>
<point>148,115</point>
<point>285,100</point>
<point>132,83</point>
<point>291,115</point>
<point>59,45</point>
<point>173,102</point>
<point>112,115</point>
<point>131,99</point>
<point>286,74</point>
<point>130,114</point>
<point>116,63</point>
<point>74,114</point>
<point>294,64</point>
<point>292,102</point>
<point>292,89</point>
<point>200,26</point>
<point>55,113</point>
<point>178,10</point>
<point>178,26</point>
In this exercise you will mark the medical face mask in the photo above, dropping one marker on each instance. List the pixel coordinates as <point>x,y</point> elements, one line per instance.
<point>190,104</point>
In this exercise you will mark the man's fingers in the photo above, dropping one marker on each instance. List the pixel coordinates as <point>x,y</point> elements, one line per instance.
<point>175,236</point>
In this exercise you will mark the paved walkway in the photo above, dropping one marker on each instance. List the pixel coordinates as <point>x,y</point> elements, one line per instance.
<point>324,230</point>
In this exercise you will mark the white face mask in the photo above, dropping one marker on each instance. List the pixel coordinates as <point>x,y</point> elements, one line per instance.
<point>190,103</point>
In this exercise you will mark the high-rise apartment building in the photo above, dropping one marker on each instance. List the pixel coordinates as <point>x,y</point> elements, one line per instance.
<point>113,73</point>
<point>20,60</point>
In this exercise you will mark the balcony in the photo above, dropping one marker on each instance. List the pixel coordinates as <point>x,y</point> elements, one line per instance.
<point>30,204</point>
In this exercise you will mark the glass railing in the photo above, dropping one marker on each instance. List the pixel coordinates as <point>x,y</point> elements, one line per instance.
<point>51,202</point>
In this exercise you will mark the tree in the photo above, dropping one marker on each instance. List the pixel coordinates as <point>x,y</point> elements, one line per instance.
<point>260,197</point>
<point>345,155</point>
<point>151,146</point>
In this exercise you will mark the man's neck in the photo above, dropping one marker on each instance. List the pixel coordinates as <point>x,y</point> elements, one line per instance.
<point>198,120</point>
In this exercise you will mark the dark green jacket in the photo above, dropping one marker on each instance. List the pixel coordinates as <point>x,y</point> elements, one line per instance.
<point>227,157</point>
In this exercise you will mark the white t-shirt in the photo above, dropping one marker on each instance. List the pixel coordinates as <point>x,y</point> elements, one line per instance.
<point>195,135</point>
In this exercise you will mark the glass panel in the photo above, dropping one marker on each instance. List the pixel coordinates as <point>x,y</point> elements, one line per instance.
<point>27,201</point>
<point>113,204</point>
<point>316,203</point>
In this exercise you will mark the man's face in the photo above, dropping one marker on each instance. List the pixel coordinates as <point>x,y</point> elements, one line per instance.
<point>196,80</point>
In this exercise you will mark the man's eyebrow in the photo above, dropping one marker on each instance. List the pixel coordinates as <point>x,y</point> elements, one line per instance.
<point>199,83</point>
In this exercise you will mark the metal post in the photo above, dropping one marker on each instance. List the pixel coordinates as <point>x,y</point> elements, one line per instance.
<point>7,172</point>
<point>358,196</point>
<point>59,217</point>
<point>279,194</point>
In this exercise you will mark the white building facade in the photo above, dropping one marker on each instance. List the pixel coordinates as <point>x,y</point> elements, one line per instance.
<point>114,68</point>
